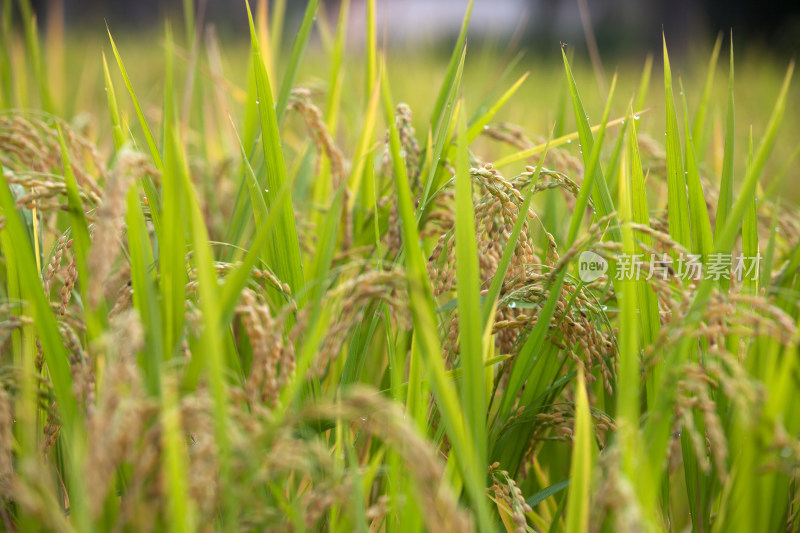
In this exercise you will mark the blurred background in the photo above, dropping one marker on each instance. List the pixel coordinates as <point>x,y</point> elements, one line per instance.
<point>620,26</point>
<point>506,40</point>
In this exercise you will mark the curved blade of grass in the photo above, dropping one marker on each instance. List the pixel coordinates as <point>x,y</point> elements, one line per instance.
<point>172,250</point>
<point>55,355</point>
<point>276,29</point>
<point>724,241</point>
<point>702,243</point>
<point>612,168</point>
<point>363,151</point>
<point>581,463</point>
<point>699,134</point>
<point>113,108</point>
<point>437,119</point>
<point>425,330</point>
<point>30,30</point>
<point>236,280</point>
<point>284,248</point>
<point>145,289</point>
<point>298,48</point>
<point>180,506</point>
<point>647,299</point>
<point>477,127</point>
<point>453,84</point>
<point>336,78</point>
<point>635,297</point>
<point>644,82</point>
<point>594,182</point>
<point>628,378</point>
<point>601,197</point>
<point>522,155</point>
<point>725,201</point>
<point>260,210</point>
<point>769,253</point>
<point>473,398</point>
<point>750,233</point>
<point>148,135</point>
<point>371,55</point>
<point>152,195</point>
<point>7,97</point>
<point>679,222</point>
<point>545,493</point>
<point>326,247</point>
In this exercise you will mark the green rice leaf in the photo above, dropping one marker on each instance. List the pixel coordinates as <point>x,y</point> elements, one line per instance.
<point>725,201</point>
<point>476,127</point>
<point>644,83</point>
<point>702,243</point>
<point>679,222</point>
<point>289,76</point>
<point>173,274</point>
<point>426,337</point>
<point>53,349</point>
<point>453,84</point>
<point>699,129</point>
<point>601,197</point>
<point>148,135</point>
<point>438,121</point>
<point>113,108</point>
<point>724,241</point>
<point>284,248</point>
<point>470,345</point>
<point>522,155</point>
<point>152,194</point>
<point>581,464</point>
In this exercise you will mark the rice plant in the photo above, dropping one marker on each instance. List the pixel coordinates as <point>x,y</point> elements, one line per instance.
<point>279,303</point>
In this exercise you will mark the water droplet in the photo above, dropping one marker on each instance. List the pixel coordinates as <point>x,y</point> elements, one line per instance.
<point>623,121</point>
<point>686,173</point>
<point>604,307</point>
<point>681,93</point>
<point>486,127</point>
<point>257,102</point>
<point>106,89</point>
<point>512,305</point>
<point>569,141</point>
<point>266,190</point>
<point>402,153</point>
<point>635,117</point>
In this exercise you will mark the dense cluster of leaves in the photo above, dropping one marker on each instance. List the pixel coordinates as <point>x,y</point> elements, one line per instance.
<point>384,333</point>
